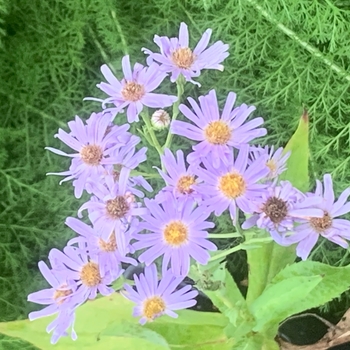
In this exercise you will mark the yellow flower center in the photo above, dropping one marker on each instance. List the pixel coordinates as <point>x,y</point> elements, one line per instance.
<point>183,57</point>
<point>232,185</point>
<point>153,307</point>
<point>175,233</point>
<point>90,275</point>
<point>110,245</point>
<point>133,91</point>
<point>117,207</point>
<point>91,154</point>
<point>217,132</point>
<point>184,184</point>
<point>60,295</point>
<point>320,225</point>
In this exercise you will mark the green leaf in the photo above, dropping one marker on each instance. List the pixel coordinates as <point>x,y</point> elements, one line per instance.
<point>314,284</point>
<point>298,163</point>
<point>96,320</point>
<point>189,337</point>
<point>131,332</point>
<point>278,300</point>
<point>256,342</point>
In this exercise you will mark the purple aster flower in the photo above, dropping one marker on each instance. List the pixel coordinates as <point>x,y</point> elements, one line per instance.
<point>327,224</point>
<point>113,208</point>
<point>180,181</point>
<point>94,144</point>
<point>154,299</point>
<point>177,232</point>
<point>232,185</point>
<point>279,208</point>
<point>177,58</point>
<point>125,156</point>
<point>83,268</point>
<point>60,299</point>
<point>276,160</point>
<point>134,90</point>
<point>108,254</point>
<point>218,135</point>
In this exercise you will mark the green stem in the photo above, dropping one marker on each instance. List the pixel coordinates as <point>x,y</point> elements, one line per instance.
<point>180,83</point>
<point>237,225</point>
<point>145,175</point>
<point>243,245</point>
<point>224,235</point>
<point>155,142</point>
<point>227,252</point>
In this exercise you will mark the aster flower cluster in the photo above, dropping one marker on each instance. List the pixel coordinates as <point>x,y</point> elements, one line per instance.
<point>223,173</point>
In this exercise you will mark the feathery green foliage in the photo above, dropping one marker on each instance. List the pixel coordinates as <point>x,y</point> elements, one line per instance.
<point>284,55</point>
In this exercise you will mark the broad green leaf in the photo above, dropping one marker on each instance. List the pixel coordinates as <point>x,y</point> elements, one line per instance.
<point>204,337</point>
<point>133,332</point>
<point>256,342</point>
<point>97,316</point>
<point>333,281</point>
<point>277,301</point>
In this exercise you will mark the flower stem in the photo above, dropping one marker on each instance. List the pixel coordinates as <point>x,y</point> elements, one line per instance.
<point>244,245</point>
<point>155,142</point>
<point>226,252</point>
<point>237,225</point>
<point>180,83</point>
<point>224,235</point>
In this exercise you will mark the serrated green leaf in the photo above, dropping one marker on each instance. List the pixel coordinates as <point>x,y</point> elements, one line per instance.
<point>333,281</point>
<point>276,302</point>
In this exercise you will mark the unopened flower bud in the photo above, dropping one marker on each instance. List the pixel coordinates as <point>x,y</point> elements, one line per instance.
<point>160,119</point>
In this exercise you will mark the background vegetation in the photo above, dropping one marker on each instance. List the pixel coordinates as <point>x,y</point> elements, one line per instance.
<point>284,55</point>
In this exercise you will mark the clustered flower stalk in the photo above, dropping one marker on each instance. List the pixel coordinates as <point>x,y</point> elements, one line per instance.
<point>222,173</point>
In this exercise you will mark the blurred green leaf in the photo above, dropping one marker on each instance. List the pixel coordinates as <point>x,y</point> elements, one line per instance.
<point>131,333</point>
<point>101,321</point>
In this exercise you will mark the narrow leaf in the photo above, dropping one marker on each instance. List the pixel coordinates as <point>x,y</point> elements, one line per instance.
<point>298,163</point>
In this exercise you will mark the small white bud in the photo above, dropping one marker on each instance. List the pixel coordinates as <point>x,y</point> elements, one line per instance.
<point>160,119</point>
